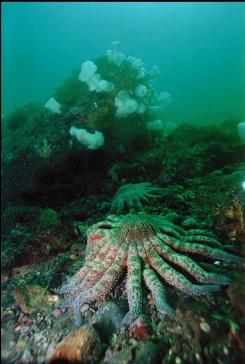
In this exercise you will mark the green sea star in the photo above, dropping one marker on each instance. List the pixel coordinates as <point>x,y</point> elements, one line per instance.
<point>149,248</point>
<point>130,197</point>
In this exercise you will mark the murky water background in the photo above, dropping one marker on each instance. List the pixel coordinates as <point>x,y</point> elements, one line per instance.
<point>199,48</point>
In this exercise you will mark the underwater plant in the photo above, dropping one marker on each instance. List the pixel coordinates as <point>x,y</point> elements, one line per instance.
<point>149,248</point>
<point>43,148</point>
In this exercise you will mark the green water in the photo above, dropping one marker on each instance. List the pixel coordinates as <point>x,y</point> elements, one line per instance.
<point>199,48</point>
<point>123,206</point>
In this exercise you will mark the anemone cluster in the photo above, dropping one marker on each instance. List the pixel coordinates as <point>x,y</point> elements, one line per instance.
<point>120,89</point>
<point>136,97</point>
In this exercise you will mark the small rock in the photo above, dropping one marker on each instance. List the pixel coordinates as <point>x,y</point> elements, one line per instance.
<point>217,262</point>
<point>17,328</point>
<point>27,356</point>
<point>50,351</point>
<point>48,218</point>
<point>76,249</point>
<point>236,292</point>
<point>205,327</point>
<point>25,320</point>
<point>140,329</point>
<point>82,345</point>
<point>84,308</point>
<point>56,313</point>
<point>108,355</point>
<point>52,298</point>
<point>225,350</point>
<point>108,319</point>
<point>30,298</point>
<point>146,352</point>
<point>8,345</point>
<point>21,344</point>
<point>122,357</point>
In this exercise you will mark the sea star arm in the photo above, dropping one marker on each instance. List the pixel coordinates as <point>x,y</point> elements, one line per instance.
<point>89,262</point>
<point>173,277</point>
<point>117,205</point>
<point>74,280</point>
<point>113,218</point>
<point>108,223</point>
<point>158,292</point>
<point>163,223</point>
<point>133,203</point>
<point>188,264</point>
<point>134,290</point>
<point>154,193</point>
<point>201,249</point>
<point>136,203</point>
<point>200,232</point>
<point>151,190</point>
<point>203,239</point>
<point>171,231</point>
<point>190,236</point>
<point>95,241</point>
<point>103,286</point>
<point>100,264</point>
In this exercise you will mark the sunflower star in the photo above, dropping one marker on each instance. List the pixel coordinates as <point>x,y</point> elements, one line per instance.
<point>148,247</point>
<point>130,197</point>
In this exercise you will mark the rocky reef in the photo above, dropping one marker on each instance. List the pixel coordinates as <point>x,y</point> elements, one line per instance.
<point>101,143</point>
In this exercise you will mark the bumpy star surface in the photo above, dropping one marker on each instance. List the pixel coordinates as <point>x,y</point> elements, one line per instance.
<point>152,250</point>
<point>131,197</point>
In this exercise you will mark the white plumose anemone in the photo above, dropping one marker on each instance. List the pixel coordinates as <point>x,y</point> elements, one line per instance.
<point>113,55</point>
<point>53,106</point>
<point>241,131</point>
<point>92,79</point>
<point>90,140</point>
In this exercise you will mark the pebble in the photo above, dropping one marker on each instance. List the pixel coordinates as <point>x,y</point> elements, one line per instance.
<point>225,350</point>
<point>73,257</point>
<point>124,356</point>
<point>7,344</point>
<point>107,319</point>
<point>30,298</point>
<point>50,351</point>
<point>17,328</point>
<point>197,356</point>
<point>27,356</point>
<point>21,344</point>
<point>56,313</point>
<point>38,338</point>
<point>146,352</point>
<point>25,320</point>
<point>81,345</point>
<point>52,298</point>
<point>217,262</point>
<point>140,329</point>
<point>204,326</point>
<point>84,307</point>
